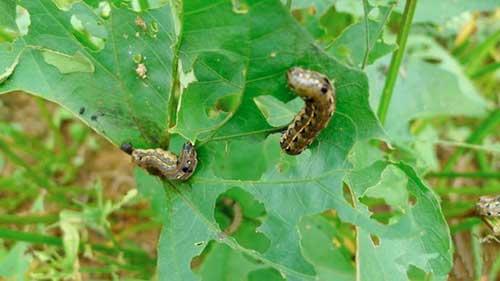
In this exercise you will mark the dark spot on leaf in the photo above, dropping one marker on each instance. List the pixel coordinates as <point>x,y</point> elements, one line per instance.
<point>93,117</point>
<point>82,110</point>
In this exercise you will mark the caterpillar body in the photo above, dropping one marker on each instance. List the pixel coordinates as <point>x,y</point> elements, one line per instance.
<point>489,206</point>
<point>318,94</point>
<point>164,163</point>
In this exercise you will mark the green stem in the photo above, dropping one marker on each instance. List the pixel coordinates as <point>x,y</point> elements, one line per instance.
<point>34,238</point>
<point>484,175</point>
<point>485,70</point>
<point>175,92</point>
<point>58,141</point>
<point>367,34</point>
<point>477,56</point>
<point>495,268</point>
<point>464,225</point>
<point>396,60</point>
<point>41,181</point>
<point>30,219</point>
<point>482,161</point>
<point>476,137</point>
<point>289,4</point>
<point>468,190</point>
<point>476,253</point>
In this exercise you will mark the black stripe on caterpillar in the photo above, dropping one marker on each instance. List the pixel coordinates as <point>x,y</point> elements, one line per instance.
<point>318,94</point>
<point>164,163</point>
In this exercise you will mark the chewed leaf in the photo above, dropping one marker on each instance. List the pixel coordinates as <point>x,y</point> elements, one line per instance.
<point>85,36</point>
<point>68,63</point>
<point>276,112</point>
<point>65,5</point>
<point>23,20</point>
<point>14,21</point>
<point>9,70</point>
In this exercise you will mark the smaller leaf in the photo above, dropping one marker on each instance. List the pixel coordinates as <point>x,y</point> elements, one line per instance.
<point>67,63</point>
<point>276,112</point>
<point>9,70</point>
<point>391,188</point>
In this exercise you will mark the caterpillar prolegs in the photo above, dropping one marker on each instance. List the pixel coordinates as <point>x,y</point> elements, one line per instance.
<point>318,94</point>
<point>164,163</point>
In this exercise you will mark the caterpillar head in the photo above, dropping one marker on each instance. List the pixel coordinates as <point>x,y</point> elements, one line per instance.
<point>308,83</point>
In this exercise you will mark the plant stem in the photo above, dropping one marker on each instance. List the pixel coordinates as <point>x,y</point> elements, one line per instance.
<point>58,141</point>
<point>475,137</point>
<point>485,175</point>
<point>31,219</point>
<point>289,4</point>
<point>476,253</point>
<point>175,91</point>
<point>367,34</point>
<point>396,60</point>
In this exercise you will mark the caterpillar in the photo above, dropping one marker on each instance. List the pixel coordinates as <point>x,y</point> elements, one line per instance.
<point>164,163</point>
<point>489,206</point>
<point>318,94</point>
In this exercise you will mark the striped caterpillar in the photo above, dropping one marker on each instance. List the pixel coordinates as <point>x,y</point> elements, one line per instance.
<point>489,206</point>
<point>163,163</point>
<point>319,95</point>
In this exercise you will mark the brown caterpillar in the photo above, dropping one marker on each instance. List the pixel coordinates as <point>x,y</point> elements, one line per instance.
<point>319,95</point>
<point>163,163</point>
<point>489,206</point>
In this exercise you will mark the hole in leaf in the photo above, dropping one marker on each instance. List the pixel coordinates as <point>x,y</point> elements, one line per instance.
<point>240,6</point>
<point>338,240</point>
<point>268,274</point>
<point>239,215</point>
<point>82,31</point>
<point>432,60</point>
<point>65,5</point>
<point>198,260</point>
<point>348,196</point>
<point>10,27</point>
<point>226,104</point>
<point>412,200</point>
<point>417,274</point>
<point>381,212</point>
<point>375,239</point>
<point>388,198</point>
